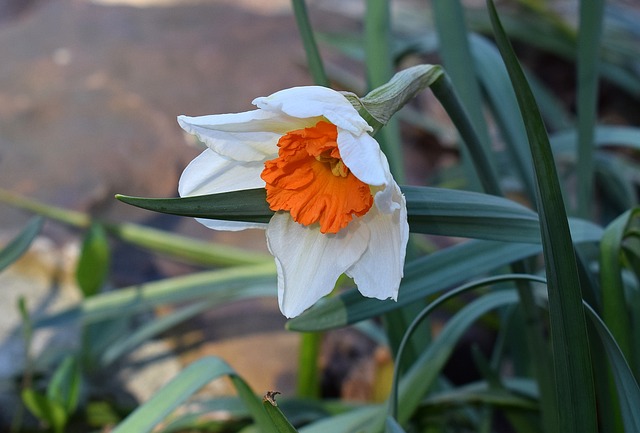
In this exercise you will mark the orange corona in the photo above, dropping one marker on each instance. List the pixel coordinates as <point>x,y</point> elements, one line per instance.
<point>309,180</point>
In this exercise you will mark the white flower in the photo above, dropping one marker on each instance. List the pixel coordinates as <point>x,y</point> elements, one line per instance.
<point>338,209</point>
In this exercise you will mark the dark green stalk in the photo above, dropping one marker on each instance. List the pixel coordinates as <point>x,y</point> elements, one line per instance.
<point>591,13</point>
<point>314,61</point>
<point>379,66</point>
<point>459,64</point>
<point>308,383</point>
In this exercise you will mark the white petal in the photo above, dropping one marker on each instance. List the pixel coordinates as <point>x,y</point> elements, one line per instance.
<point>248,136</point>
<point>308,262</point>
<point>210,173</point>
<point>380,269</point>
<point>364,158</point>
<point>230,226</point>
<point>315,101</point>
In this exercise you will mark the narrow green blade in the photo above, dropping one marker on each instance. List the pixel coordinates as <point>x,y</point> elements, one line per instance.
<point>626,383</point>
<point>314,61</point>
<point>280,422</point>
<point>615,310</point>
<point>184,385</point>
<point>18,245</point>
<point>588,56</point>
<point>219,286</point>
<point>576,410</point>
<point>436,211</point>
<point>458,62</point>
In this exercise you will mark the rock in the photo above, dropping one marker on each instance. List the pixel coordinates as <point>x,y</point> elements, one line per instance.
<point>89,94</point>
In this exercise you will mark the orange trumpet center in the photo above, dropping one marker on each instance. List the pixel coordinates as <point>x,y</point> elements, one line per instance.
<point>309,180</point>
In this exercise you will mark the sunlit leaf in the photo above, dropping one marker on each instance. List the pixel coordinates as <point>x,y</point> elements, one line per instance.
<point>93,264</point>
<point>18,245</point>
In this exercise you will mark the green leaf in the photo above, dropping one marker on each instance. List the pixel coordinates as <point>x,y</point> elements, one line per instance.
<point>93,265</point>
<point>219,286</point>
<point>626,384</point>
<point>431,210</point>
<point>358,420</point>
<point>19,245</point>
<point>483,169</point>
<point>480,393</point>
<point>588,55</point>
<point>392,426</point>
<point>130,341</point>
<point>614,305</point>
<point>64,387</point>
<point>420,377</point>
<point>459,64</point>
<point>45,409</point>
<point>604,135</point>
<point>173,245</point>
<point>314,61</point>
<point>502,101</point>
<point>180,388</point>
<point>244,205</point>
<point>469,214</point>
<point>280,422</point>
<point>572,363</point>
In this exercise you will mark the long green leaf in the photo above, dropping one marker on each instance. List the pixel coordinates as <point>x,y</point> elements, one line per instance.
<point>615,310</point>
<point>393,400</point>
<point>392,426</point>
<point>314,61</point>
<point>128,342</point>
<point>475,393</point>
<point>358,420</point>
<point>626,384</point>
<point>49,411</point>
<point>244,205</point>
<point>220,286</point>
<point>65,384</point>
<point>589,33</point>
<point>379,69</point>
<point>604,135</point>
<point>469,214</point>
<point>416,382</point>
<point>503,104</point>
<point>170,244</point>
<point>178,390</point>
<point>431,210</point>
<point>572,363</point>
<point>458,62</point>
<point>280,422</point>
<point>18,245</point>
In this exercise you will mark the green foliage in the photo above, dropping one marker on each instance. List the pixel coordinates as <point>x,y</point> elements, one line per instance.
<point>93,265</point>
<point>19,245</point>
<point>61,399</point>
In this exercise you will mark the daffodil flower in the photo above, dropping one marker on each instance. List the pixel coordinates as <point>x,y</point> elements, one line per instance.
<point>337,207</point>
